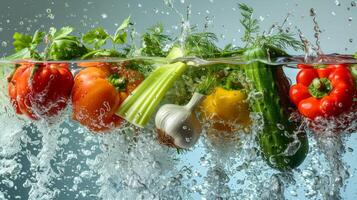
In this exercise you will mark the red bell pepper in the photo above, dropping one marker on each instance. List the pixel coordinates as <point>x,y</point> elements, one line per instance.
<point>323,90</point>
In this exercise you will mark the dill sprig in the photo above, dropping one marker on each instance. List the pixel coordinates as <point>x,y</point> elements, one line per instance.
<point>207,84</point>
<point>249,23</point>
<point>154,41</point>
<point>201,44</point>
<point>274,40</point>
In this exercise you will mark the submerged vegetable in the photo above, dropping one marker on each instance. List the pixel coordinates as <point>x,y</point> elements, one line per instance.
<point>179,123</point>
<point>325,91</point>
<point>281,144</point>
<point>142,102</point>
<point>225,109</point>
<point>98,93</point>
<point>40,90</point>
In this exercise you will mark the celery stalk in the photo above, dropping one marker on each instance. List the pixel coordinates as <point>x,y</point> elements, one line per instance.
<point>142,103</point>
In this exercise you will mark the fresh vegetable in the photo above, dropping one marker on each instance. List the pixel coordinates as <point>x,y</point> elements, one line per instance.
<point>323,91</point>
<point>40,90</point>
<point>281,144</point>
<point>178,126</point>
<point>142,102</point>
<point>225,109</point>
<point>180,123</point>
<point>98,93</point>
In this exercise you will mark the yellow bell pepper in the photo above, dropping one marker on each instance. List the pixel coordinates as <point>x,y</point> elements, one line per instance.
<point>225,109</point>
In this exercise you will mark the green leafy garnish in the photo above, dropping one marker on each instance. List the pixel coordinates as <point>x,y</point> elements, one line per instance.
<point>201,45</point>
<point>120,34</point>
<point>206,86</point>
<point>21,41</point>
<point>98,37</point>
<point>25,45</point>
<point>154,41</point>
<point>249,23</point>
<point>274,42</point>
<point>63,46</point>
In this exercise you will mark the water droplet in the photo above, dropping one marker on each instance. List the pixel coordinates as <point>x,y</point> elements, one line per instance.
<point>139,5</point>
<point>104,16</point>
<point>207,11</point>
<point>21,23</point>
<point>261,18</point>
<point>182,1</point>
<point>1,29</point>
<point>312,12</point>
<point>350,19</point>
<point>4,44</point>
<point>353,3</point>
<point>350,40</point>
<point>337,3</point>
<point>333,13</point>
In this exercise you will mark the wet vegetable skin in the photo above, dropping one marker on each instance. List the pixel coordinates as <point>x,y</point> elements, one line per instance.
<point>323,91</point>
<point>281,146</point>
<point>40,90</point>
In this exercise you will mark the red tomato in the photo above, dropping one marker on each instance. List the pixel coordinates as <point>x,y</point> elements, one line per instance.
<point>40,90</point>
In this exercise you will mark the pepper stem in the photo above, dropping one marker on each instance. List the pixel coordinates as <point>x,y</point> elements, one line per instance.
<point>118,82</point>
<point>320,87</point>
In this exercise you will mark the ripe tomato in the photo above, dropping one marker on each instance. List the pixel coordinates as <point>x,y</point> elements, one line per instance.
<point>98,93</point>
<point>40,90</point>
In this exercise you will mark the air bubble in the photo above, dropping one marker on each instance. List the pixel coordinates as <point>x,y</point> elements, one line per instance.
<point>350,19</point>
<point>350,40</point>
<point>48,10</point>
<point>104,16</point>
<point>337,3</point>
<point>353,3</point>
<point>4,44</point>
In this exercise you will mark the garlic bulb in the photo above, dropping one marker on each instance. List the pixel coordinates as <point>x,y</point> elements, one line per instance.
<point>180,122</point>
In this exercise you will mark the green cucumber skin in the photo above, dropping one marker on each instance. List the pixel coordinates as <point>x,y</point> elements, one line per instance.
<point>272,140</point>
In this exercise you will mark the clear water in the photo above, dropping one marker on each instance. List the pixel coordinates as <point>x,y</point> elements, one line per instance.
<point>63,160</point>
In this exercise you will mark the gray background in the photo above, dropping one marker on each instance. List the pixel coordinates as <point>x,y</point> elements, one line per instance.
<point>334,20</point>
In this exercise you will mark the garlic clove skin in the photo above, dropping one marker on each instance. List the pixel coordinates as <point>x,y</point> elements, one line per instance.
<point>179,123</point>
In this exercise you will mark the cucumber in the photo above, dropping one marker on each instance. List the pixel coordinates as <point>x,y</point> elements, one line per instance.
<point>278,132</point>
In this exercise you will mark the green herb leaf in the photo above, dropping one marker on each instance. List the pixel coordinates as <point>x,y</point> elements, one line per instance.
<point>202,45</point>
<point>102,53</point>
<point>248,22</point>
<point>120,34</point>
<point>125,24</point>
<point>63,32</point>
<point>37,38</point>
<point>154,41</point>
<point>21,41</point>
<point>23,53</point>
<point>207,85</point>
<point>96,37</point>
<point>120,38</point>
